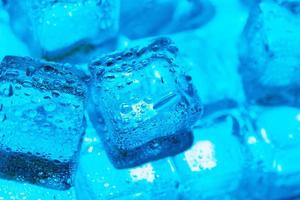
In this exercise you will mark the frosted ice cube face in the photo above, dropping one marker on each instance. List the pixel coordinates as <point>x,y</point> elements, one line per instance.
<point>218,82</point>
<point>143,103</point>
<point>178,16</point>
<point>269,54</point>
<point>41,121</point>
<point>62,27</point>
<point>12,190</point>
<point>274,145</point>
<point>100,180</point>
<point>213,166</point>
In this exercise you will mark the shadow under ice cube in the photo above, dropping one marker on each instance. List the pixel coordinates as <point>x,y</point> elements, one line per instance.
<point>143,103</point>
<point>270,62</point>
<point>41,121</point>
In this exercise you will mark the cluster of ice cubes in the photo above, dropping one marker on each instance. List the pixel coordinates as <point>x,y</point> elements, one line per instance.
<point>166,102</point>
<point>269,67</point>
<point>45,101</point>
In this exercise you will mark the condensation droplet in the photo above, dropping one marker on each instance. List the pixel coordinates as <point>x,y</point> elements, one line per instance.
<point>125,108</point>
<point>7,90</point>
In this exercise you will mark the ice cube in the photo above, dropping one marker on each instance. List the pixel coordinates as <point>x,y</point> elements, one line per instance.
<point>58,29</point>
<point>155,17</point>
<point>213,68</point>
<point>10,44</point>
<point>215,71</point>
<point>274,147</point>
<point>279,128</point>
<point>98,179</point>
<point>269,54</point>
<point>15,191</point>
<point>41,121</point>
<point>143,103</point>
<point>212,168</point>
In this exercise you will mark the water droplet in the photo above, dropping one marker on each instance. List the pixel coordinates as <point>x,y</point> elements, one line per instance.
<point>109,76</point>
<point>29,70</point>
<point>18,86</point>
<point>110,62</point>
<point>12,73</point>
<point>55,94</point>
<point>57,84</point>
<point>188,78</point>
<point>3,117</point>
<point>125,108</point>
<point>50,69</point>
<point>8,149</point>
<point>47,97</point>
<point>6,90</point>
<point>42,181</point>
<point>27,83</point>
<point>57,161</point>
<point>40,173</point>
<point>69,181</point>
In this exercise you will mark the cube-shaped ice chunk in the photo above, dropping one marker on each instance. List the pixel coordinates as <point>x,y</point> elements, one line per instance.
<point>13,190</point>
<point>143,103</point>
<point>212,168</point>
<point>98,179</point>
<point>145,18</point>
<point>274,148</point>
<point>217,79</point>
<point>270,63</point>
<point>41,121</point>
<point>60,28</point>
